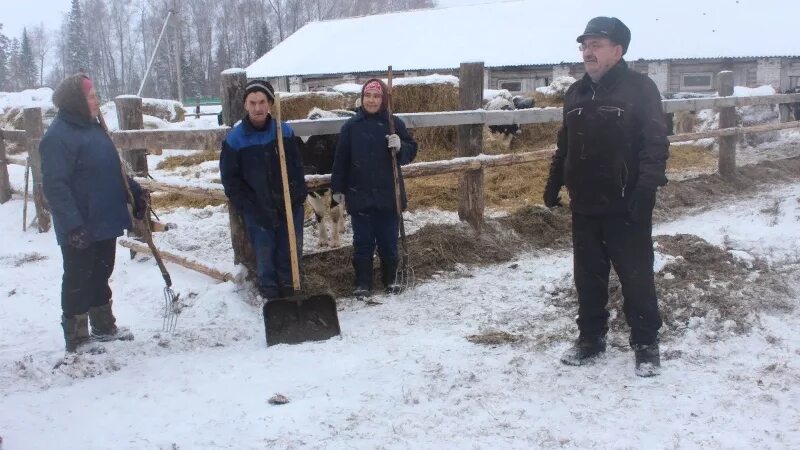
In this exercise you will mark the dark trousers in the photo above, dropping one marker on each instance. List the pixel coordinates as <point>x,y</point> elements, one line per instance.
<point>598,240</point>
<point>86,274</point>
<point>375,229</point>
<point>271,248</point>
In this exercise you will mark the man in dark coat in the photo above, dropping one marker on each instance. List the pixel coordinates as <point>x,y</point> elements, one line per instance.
<point>82,181</point>
<point>612,153</point>
<point>362,174</point>
<point>251,174</point>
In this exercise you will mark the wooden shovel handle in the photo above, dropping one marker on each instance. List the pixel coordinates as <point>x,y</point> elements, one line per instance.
<point>287,201</point>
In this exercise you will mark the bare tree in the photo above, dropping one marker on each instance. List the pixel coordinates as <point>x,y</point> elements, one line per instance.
<point>40,43</point>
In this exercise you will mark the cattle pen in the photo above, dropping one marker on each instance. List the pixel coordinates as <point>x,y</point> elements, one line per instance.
<point>133,143</point>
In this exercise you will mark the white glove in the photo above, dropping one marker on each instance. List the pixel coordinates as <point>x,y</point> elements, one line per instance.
<point>393,141</point>
<point>338,197</point>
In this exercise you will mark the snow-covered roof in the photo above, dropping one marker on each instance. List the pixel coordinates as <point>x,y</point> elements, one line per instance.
<point>531,32</point>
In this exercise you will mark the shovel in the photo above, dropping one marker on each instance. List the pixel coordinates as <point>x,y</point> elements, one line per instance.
<point>298,318</point>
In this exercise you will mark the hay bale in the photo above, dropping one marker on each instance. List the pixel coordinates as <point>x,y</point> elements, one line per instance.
<point>296,106</point>
<point>168,110</point>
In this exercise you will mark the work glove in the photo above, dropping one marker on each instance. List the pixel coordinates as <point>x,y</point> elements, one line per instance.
<point>641,204</point>
<point>338,198</point>
<point>393,142</point>
<point>551,197</point>
<point>140,205</point>
<point>78,238</point>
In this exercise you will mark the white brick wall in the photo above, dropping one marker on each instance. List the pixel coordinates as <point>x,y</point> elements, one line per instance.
<point>659,73</point>
<point>768,71</point>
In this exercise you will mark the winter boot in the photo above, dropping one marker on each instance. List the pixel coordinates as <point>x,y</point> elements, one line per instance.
<point>585,350</point>
<point>363,269</point>
<point>76,331</point>
<point>648,359</point>
<point>389,277</point>
<point>104,326</point>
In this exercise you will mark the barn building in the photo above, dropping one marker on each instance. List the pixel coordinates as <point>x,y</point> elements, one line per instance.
<point>680,44</point>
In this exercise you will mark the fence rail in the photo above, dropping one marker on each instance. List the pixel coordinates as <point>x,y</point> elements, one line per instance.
<point>211,138</point>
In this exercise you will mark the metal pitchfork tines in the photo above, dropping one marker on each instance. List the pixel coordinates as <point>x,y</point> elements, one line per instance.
<point>171,310</point>
<point>404,276</point>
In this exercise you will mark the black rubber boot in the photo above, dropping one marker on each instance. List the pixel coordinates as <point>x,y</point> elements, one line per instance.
<point>648,359</point>
<point>76,331</point>
<point>363,269</point>
<point>389,276</point>
<point>585,350</point>
<point>104,326</point>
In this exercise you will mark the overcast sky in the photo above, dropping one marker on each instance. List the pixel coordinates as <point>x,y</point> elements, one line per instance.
<point>17,14</point>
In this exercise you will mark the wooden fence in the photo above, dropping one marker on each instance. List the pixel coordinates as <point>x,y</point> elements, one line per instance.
<point>133,142</point>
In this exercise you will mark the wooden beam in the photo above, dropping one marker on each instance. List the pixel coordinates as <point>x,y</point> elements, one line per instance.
<point>129,116</point>
<point>734,131</point>
<point>5,185</point>
<point>32,117</point>
<point>179,260</point>
<point>469,142</point>
<point>727,119</point>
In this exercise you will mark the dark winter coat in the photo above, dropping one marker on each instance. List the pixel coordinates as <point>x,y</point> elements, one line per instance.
<point>250,169</point>
<point>82,178</point>
<point>612,140</point>
<point>362,167</point>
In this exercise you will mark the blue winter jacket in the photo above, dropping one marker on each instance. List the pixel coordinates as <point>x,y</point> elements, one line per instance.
<point>362,168</point>
<point>82,179</point>
<point>250,170</point>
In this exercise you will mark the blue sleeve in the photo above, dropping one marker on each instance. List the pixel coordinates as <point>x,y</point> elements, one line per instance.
<point>58,165</point>
<point>232,180</point>
<point>341,161</point>
<point>408,147</point>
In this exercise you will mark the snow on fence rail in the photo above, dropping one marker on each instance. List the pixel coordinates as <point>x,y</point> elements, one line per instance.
<point>133,143</point>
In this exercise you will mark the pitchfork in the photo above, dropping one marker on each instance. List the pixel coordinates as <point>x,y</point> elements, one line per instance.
<point>404,277</point>
<point>171,304</point>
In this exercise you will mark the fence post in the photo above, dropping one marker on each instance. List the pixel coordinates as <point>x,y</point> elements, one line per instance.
<point>233,85</point>
<point>32,118</point>
<point>469,142</point>
<point>784,112</point>
<point>129,116</point>
<point>727,119</point>
<point>5,185</point>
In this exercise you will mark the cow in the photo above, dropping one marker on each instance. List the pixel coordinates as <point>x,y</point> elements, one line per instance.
<point>504,132</point>
<point>318,153</point>
<point>521,102</point>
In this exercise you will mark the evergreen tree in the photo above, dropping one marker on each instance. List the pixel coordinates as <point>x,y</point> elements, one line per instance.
<point>264,41</point>
<point>13,65</point>
<point>27,63</point>
<point>4,67</point>
<point>77,51</point>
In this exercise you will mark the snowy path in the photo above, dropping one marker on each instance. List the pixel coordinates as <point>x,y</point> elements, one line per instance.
<point>403,373</point>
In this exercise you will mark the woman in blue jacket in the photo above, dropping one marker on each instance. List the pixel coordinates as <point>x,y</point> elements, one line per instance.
<point>83,184</point>
<point>362,173</point>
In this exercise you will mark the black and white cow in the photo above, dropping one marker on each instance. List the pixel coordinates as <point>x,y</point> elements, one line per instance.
<point>318,153</point>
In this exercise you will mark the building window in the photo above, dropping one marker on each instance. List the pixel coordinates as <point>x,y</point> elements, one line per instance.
<point>794,82</point>
<point>511,86</point>
<point>697,81</point>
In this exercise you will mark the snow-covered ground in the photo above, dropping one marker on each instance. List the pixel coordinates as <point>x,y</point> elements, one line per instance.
<point>403,374</point>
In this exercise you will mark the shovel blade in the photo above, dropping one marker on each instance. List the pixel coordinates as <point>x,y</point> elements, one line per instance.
<point>300,318</point>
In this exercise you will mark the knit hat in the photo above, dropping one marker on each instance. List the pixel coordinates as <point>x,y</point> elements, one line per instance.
<point>260,86</point>
<point>376,85</point>
<point>608,27</point>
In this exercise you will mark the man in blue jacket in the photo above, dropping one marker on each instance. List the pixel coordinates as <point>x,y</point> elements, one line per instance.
<point>251,174</point>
